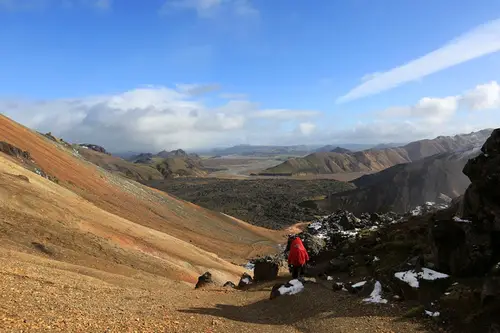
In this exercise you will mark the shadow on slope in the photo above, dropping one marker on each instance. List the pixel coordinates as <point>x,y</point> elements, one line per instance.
<point>316,309</point>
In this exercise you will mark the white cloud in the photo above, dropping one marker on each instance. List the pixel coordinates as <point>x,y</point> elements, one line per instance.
<point>307,128</point>
<point>152,119</point>
<point>483,97</point>
<point>210,8</point>
<point>433,110</point>
<point>478,42</point>
<point>285,114</point>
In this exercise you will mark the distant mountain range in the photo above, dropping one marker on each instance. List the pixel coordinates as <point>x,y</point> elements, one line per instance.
<point>146,166</point>
<point>376,159</point>
<point>294,150</point>
<point>404,186</point>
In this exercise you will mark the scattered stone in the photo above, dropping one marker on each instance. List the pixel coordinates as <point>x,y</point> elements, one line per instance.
<point>23,178</point>
<point>96,148</point>
<point>204,280</point>
<point>290,288</point>
<point>229,284</point>
<point>245,281</point>
<point>265,270</point>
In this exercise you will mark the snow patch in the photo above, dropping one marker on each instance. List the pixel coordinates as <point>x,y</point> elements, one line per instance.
<point>411,277</point>
<point>250,266</point>
<point>458,219</point>
<point>432,314</point>
<point>329,278</point>
<point>246,280</point>
<point>376,295</point>
<point>295,288</point>
<point>376,259</point>
<point>316,225</point>
<point>359,284</point>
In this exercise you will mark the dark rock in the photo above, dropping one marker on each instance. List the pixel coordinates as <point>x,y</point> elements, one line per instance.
<point>275,291</point>
<point>23,178</point>
<point>340,265</point>
<point>229,284</point>
<point>313,245</point>
<point>245,281</point>
<point>204,280</point>
<point>96,148</point>
<point>337,286</point>
<point>491,291</point>
<point>13,151</point>
<point>265,271</point>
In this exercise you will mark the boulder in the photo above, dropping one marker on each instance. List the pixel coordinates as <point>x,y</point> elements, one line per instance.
<point>204,280</point>
<point>292,287</point>
<point>265,270</point>
<point>245,281</point>
<point>339,265</point>
<point>13,151</point>
<point>229,284</point>
<point>313,245</point>
<point>460,249</point>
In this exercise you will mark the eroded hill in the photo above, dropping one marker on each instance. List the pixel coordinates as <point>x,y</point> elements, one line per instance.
<point>405,186</point>
<point>92,218</point>
<point>374,160</point>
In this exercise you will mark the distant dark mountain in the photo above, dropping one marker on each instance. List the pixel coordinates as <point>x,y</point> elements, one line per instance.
<point>172,163</point>
<point>405,186</point>
<point>340,150</point>
<point>349,147</point>
<point>388,145</point>
<point>330,163</point>
<point>373,160</point>
<point>136,171</point>
<point>332,149</point>
<point>249,150</point>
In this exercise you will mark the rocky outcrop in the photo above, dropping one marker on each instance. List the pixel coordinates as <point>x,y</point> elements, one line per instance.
<point>245,281</point>
<point>265,270</point>
<point>96,148</point>
<point>204,280</point>
<point>24,157</point>
<point>13,151</point>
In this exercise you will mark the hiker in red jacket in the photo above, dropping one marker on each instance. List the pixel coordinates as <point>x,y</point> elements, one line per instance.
<point>297,257</point>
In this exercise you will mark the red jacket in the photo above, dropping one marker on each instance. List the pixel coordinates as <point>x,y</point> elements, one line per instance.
<point>298,255</point>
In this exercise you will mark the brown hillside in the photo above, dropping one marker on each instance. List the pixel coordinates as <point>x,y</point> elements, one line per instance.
<point>327,163</point>
<point>119,166</point>
<point>373,160</point>
<point>210,231</point>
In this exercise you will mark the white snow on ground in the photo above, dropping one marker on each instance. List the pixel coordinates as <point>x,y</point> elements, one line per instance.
<point>246,280</point>
<point>352,233</point>
<point>359,284</point>
<point>376,295</point>
<point>411,277</point>
<point>316,225</point>
<point>250,266</point>
<point>296,288</point>
<point>432,314</point>
<point>458,219</point>
<point>417,211</point>
<point>329,278</point>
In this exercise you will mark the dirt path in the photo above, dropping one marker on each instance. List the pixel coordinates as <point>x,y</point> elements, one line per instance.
<point>49,296</point>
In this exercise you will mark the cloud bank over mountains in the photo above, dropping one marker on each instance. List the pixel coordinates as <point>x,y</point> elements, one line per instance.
<point>154,118</point>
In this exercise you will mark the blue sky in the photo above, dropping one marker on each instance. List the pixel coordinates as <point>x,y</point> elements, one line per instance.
<point>196,73</point>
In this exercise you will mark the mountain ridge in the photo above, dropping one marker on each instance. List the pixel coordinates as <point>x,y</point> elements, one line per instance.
<point>372,160</point>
